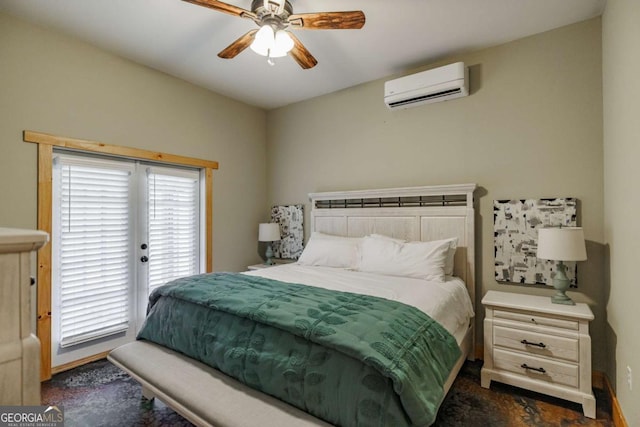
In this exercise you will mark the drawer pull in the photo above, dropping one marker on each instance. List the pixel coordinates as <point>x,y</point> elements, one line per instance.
<point>538,344</point>
<point>541,370</point>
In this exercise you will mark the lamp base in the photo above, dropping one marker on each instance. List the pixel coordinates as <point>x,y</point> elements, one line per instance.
<point>561,283</point>
<point>562,298</point>
<point>269,255</point>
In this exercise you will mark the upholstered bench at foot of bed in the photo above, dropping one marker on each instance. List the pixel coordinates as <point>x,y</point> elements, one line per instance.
<point>201,394</point>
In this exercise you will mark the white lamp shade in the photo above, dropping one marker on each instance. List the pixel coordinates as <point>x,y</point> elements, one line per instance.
<point>561,244</point>
<point>263,41</point>
<point>282,45</point>
<point>269,232</point>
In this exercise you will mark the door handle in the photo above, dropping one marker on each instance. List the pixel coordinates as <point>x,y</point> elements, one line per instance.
<point>144,258</point>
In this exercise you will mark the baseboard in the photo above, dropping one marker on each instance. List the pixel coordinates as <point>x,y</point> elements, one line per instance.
<point>479,352</point>
<point>76,363</point>
<point>616,411</point>
<point>599,378</point>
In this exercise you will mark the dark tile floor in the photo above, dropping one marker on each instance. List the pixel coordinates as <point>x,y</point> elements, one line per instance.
<point>100,394</point>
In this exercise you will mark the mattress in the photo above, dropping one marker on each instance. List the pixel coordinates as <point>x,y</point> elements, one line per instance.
<point>446,302</point>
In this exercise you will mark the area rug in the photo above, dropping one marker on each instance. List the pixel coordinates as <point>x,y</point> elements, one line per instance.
<point>100,394</point>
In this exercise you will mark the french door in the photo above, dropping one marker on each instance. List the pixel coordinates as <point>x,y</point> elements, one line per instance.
<point>121,228</point>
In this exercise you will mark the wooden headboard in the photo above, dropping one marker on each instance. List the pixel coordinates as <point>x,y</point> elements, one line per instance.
<point>411,213</point>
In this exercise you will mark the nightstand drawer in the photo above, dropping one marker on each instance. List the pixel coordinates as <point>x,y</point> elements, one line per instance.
<point>537,343</point>
<point>536,319</point>
<point>550,371</point>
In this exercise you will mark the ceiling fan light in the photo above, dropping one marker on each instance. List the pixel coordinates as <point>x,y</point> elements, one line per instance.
<point>283,42</point>
<point>264,41</point>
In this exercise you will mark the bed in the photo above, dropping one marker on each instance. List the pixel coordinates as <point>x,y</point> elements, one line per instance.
<point>205,396</point>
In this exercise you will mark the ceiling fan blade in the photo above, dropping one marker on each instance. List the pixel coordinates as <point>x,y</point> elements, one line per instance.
<point>300,53</point>
<point>352,20</point>
<point>224,7</point>
<point>238,46</point>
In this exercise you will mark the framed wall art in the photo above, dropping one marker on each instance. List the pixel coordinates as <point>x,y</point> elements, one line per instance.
<point>515,224</point>
<point>290,218</point>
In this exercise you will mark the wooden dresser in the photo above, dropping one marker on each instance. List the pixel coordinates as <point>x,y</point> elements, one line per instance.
<point>532,343</point>
<point>19,348</point>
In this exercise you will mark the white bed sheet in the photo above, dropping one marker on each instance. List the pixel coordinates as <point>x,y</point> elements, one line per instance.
<point>448,302</point>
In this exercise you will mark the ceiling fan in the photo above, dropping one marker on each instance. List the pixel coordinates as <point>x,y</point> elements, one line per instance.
<point>275,17</point>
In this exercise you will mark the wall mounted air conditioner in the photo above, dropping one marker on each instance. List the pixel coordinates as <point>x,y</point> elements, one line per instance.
<point>438,84</point>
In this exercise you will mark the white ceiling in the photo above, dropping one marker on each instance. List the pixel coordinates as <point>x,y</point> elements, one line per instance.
<point>183,39</point>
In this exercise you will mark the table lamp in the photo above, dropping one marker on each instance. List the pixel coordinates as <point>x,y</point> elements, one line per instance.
<point>269,232</point>
<point>561,244</point>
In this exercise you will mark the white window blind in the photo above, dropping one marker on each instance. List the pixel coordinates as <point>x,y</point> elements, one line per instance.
<point>121,228</point>
<point>174,224</point>
<point>93,256</point>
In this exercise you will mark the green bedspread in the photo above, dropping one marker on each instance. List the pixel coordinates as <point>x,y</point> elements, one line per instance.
<point>350,359</point>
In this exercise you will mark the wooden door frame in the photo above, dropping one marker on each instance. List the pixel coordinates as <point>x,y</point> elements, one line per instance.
<point>46,142</point>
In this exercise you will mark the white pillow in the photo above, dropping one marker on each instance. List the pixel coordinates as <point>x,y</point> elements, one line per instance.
<point>326,250</point>
<point>422,260</point>
<point>453,244</point>
<point>451,255</point>
<point>382,236</point>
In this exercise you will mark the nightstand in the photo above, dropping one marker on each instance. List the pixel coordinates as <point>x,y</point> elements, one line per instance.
<point>534,344</point>
<point>277,261</point>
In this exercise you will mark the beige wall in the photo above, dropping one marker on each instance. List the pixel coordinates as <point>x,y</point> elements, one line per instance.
<point>621,62</point>
<point>55,84</point>
<point>531,128</point>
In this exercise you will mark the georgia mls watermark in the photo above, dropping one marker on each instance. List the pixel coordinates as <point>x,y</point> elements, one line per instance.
<point>31,416</point>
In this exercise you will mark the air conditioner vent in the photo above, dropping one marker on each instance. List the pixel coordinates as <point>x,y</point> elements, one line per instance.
<point>425,97</point>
